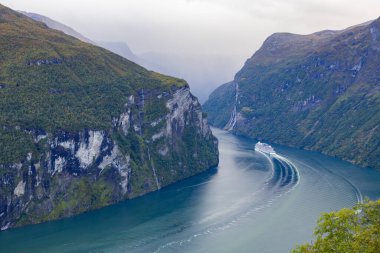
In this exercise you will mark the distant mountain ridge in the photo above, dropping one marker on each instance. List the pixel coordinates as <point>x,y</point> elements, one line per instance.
<point>120,48</point>
<point>53,24</point>
<point>319,91</point>
<point>201,75</point>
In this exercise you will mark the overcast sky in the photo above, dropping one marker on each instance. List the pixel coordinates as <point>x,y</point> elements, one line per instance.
<point>213,26</point>
<point>233,28</point>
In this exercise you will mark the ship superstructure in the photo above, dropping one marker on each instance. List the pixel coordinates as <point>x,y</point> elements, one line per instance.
<point>265,148</point>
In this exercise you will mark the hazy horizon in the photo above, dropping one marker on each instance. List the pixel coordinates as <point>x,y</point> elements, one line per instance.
<point>207,40</point>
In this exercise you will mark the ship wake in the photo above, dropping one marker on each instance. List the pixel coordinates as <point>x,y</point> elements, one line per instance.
<point>283,179</point>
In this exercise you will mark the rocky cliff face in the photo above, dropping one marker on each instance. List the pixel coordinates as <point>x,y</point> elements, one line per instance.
<point>317,91</point>
<point>82,128</point>
<point>79,171</point>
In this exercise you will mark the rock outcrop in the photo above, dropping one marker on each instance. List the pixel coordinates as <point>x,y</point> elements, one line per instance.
<point>319,91</point>
<point>114,130</point>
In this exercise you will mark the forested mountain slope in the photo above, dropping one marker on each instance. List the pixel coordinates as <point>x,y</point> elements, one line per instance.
<point>81,127</point>
<point>317,91</point>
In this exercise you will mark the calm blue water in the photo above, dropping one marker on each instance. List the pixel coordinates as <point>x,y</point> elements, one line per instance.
<point>250,203</point>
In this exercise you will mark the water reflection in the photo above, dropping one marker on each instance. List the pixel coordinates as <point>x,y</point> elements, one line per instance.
<point>244,205</point>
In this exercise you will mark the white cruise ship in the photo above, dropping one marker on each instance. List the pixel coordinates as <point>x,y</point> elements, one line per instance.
<point>265,148</point>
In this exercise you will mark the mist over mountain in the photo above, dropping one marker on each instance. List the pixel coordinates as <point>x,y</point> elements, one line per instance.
<point>120,48</point>
<point>82,128</point>
<point>319,91</point>
<point>108,105</point>
<point>53,24</point>
<point>203,76</point>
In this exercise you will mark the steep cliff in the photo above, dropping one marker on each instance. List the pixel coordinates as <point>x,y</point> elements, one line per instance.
<point>82,128</point>
<point>317,91</point>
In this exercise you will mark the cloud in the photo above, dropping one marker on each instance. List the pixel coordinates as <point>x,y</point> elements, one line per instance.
<point>231,29</point>
<point>220,26</point>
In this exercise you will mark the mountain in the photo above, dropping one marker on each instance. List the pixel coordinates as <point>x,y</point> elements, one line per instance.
<point>120,48</point>
<point>201,75</point>
<point>82,128</point>
<point>57,26</point>
<point>203,71</point>
<point>318,92</point>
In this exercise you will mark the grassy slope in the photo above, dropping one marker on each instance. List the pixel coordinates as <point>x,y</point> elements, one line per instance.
<point>82,86</point>
<point>303,91</point>
<point>51,82</point>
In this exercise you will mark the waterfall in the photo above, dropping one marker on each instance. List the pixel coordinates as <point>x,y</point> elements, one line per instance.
<point>154,170</point>
<point>141,109</point>
<point>232,122</point>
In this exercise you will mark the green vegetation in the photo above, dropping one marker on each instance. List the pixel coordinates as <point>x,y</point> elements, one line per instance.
<point>82,195</point>
<point>220,104</point>
<point>52,81</point>
<point>318,92</point>
<point>54,91</point>
<point>355,230</point>
<point>14,145</point>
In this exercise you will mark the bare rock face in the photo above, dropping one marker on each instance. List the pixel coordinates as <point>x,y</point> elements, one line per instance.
<point>82,128</point>
<point>89,169</point>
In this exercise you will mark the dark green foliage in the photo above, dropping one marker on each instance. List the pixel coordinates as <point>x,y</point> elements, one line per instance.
<point>77,125</point>
<point>354,230</point>
<point>14,145</point>
<point>81,195</point>
<point>318,91</point>
<point>129,144</point>
<point>54,81</point>
<point>220,104</point>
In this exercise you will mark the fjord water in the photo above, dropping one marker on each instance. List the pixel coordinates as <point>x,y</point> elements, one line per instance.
<point>250,203</point>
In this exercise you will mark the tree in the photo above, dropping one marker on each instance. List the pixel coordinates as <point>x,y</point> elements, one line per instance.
<point>348,230</point>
